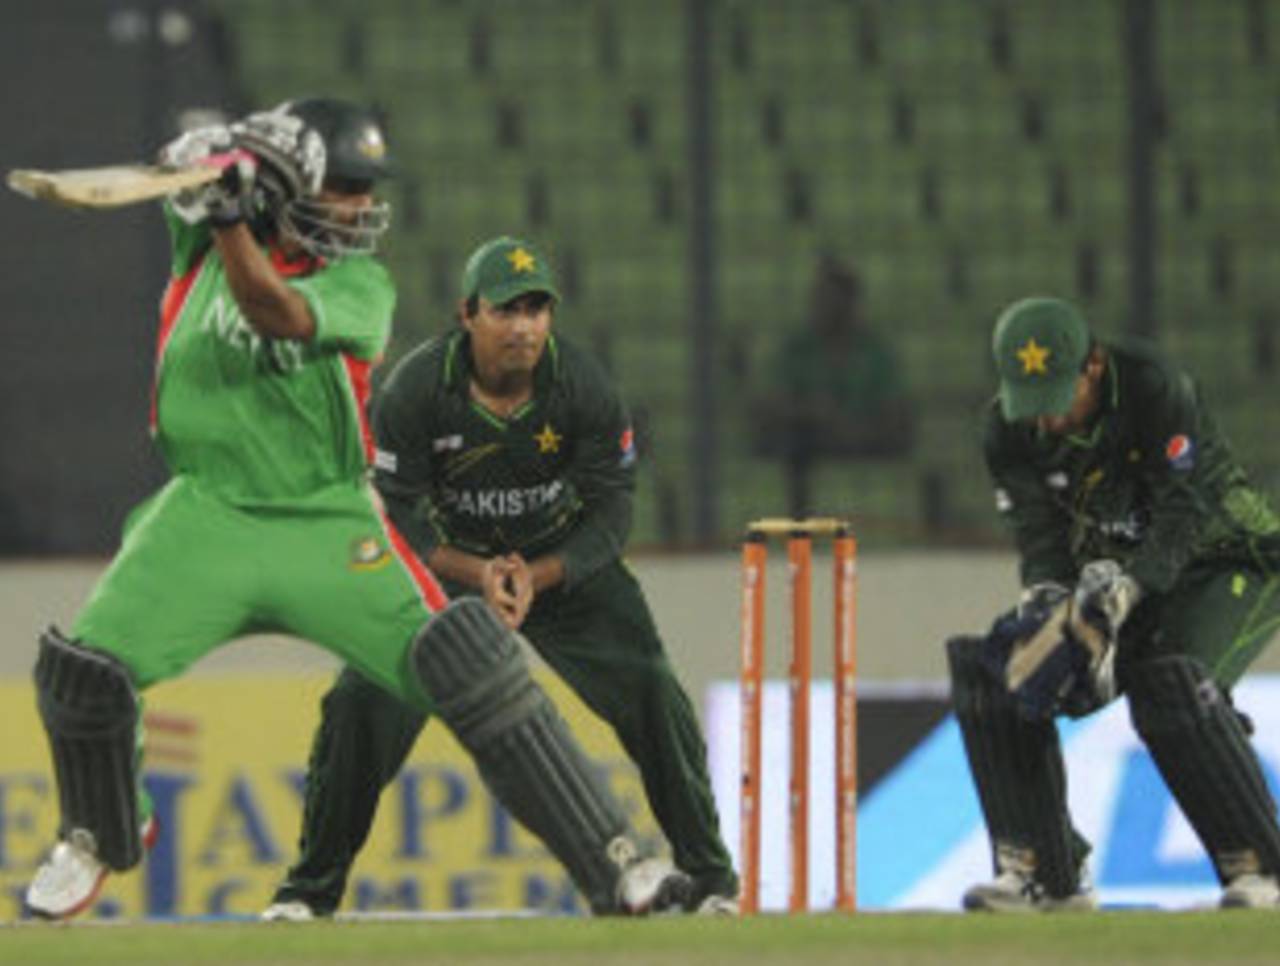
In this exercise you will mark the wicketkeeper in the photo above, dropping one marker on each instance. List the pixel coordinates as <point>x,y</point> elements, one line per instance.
<point>1151,568</point>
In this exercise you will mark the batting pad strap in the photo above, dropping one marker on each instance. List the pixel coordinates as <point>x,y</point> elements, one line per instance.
<point>473,668</point>
<point>90,713</point>
<point>1203,753</point>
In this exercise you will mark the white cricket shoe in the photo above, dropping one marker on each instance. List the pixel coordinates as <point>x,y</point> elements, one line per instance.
<point>294,910</point>
<point>1251,890</point>
<point>718,905</point>
<point>1014,890</point>
<point>649,886</point>
<point>69,880</point>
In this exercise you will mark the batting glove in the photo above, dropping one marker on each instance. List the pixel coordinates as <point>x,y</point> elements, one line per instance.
<point>202,145</point>
<point>292,154</point>
<point>230,200</point>
<point>194,146</point>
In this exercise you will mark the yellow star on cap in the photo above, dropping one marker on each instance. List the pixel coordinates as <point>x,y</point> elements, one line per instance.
<point>548,440</point>
<point>521,260</point>
<point>1033,358</point>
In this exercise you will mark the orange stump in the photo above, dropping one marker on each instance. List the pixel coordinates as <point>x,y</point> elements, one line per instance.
<point>751,681</point>
<point>800,568</point>
<point>844,676</point>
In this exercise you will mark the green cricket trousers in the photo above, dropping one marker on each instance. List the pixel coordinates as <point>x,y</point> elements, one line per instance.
<point>194,572</point>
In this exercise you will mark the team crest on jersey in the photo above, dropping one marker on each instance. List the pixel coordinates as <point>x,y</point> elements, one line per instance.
<point>445,444</point>
<point>368,553</point>
<point>548,440</point>
<point>1180,451</point>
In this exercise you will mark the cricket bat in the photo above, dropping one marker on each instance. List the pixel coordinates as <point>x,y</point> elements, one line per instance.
<point>109,187</point>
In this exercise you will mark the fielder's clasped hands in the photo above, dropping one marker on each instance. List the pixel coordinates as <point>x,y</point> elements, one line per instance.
<point>507,584</point>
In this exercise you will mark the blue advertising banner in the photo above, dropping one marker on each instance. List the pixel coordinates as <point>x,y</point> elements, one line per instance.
<point>921,839</point>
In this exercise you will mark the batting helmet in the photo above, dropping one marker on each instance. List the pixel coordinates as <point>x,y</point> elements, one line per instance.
<point>355,159</point>
<point>355,147</point>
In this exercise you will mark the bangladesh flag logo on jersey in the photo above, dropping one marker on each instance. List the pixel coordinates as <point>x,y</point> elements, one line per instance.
<point>368,553</point>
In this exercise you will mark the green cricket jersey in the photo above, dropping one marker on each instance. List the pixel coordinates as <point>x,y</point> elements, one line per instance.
<point>261,421</point>
<point>558,473</point>
<point>1152,485</point>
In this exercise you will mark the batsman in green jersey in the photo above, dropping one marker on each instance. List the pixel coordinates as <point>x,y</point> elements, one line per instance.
<point>274,315</point>
<point>1150,568</point>
<point>507,458</point>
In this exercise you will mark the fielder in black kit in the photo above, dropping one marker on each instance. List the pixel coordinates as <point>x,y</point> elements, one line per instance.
<point>507,458</point>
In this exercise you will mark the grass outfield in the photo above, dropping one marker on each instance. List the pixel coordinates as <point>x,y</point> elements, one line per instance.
<point>1111,937</point>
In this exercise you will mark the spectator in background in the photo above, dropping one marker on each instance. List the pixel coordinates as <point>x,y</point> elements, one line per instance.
<point>836,390</point>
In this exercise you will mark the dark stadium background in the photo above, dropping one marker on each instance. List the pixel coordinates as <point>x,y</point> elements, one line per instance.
<point>686,162</point>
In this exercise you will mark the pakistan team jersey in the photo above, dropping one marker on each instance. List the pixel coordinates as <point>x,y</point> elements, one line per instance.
<point>1152,484</point>
<point>261,421</point>
<point>559,472</point>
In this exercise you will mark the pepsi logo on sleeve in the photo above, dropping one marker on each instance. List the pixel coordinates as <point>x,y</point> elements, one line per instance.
<point>1180,451</point>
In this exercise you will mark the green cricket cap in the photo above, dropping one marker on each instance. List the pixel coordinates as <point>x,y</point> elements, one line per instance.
<point>1040,345</point>
<point>506,268</point>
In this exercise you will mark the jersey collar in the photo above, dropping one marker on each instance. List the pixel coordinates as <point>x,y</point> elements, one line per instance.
<point>1110,403</point>
<point>304,264</point>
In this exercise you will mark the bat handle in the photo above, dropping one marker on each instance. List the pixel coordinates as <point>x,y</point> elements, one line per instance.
<point>226,159</point>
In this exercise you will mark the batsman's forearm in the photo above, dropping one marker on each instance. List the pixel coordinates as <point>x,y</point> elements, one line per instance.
<point>270,306</point>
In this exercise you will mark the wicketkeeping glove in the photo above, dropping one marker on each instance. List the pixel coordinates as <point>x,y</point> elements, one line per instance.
<point>1104,596</point>
<point>1103,599</point>
<point>1039,600</point>
<point>1040,663</point>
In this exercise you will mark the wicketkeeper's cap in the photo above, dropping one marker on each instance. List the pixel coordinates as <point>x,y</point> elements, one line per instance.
<point>1040,345</point>
<point>506,268</point>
